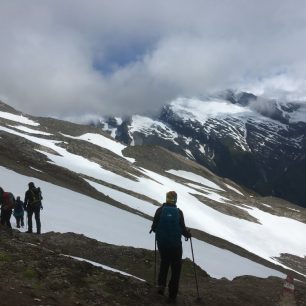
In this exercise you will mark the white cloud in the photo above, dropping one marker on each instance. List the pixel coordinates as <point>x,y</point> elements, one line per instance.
<point>123,57</point>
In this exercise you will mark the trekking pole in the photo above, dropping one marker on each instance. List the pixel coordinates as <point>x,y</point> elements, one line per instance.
<point>195,273</point>
<point>155,283</point>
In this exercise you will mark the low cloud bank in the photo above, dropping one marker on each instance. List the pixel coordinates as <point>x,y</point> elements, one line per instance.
<point>121,58</point>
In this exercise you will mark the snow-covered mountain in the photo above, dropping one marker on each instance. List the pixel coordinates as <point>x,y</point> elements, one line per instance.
<point>98,187</point>
<point>256,142</point>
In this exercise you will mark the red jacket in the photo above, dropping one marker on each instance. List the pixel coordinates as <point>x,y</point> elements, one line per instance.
<point>8,201</point>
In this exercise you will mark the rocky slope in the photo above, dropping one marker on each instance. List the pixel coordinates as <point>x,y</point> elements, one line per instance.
<point>256,142</point>
<point>35,270</point>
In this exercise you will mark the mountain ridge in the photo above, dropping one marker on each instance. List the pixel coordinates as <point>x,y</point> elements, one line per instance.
<point>256,142</point>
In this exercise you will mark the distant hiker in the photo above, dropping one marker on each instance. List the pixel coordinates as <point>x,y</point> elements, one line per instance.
<point>19,212</point>
<point>32,204</point>
<point>169,226</point>
<point>7,202</point>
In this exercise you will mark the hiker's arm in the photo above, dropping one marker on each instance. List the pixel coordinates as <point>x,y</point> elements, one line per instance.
<point>26,200</point>
<point>186,233</point>
<point>155,220</point>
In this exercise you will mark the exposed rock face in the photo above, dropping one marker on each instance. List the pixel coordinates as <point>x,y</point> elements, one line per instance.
<point>256,142</point>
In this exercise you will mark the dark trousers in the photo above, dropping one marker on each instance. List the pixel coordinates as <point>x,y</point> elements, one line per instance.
<point>5,217</point>
<point>170,257</point>
<point>19,221</point>
<point>36,211</point>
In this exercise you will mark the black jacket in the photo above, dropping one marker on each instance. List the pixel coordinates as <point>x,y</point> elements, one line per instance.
<point>32,196</point>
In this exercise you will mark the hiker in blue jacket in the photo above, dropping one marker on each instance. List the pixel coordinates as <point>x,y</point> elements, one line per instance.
<point>19,212</point>
<point>169,226</point>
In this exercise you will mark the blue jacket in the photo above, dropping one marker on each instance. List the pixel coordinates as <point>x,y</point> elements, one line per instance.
<point>169,226</point>
<point>18,210</point>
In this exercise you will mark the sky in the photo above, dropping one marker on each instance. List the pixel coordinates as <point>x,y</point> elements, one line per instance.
<point>77,57</point>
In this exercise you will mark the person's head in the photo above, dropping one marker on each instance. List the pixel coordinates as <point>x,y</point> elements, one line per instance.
<point>18,198</point>
<point>171,197</point>
<point>31,185</point>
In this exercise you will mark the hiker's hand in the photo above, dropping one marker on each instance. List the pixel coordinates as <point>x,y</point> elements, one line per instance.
<point>41,207</point>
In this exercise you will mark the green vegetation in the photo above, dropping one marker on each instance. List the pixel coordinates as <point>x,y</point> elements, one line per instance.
<point>30,274</point>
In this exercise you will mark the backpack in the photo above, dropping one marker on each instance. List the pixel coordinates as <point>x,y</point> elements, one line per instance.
<point>35,196</point>
<point>8,201</point>
<point>168,230</point>
<point>18,206</point>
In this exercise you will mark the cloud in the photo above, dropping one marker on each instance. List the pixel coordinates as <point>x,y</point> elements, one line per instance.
<point>73,57</point>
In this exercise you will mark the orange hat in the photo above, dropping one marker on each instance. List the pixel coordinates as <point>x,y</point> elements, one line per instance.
<point>171,197</point>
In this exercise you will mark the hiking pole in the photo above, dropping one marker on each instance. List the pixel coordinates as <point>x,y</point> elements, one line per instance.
<point>195,273</point>
<point>155,260</point>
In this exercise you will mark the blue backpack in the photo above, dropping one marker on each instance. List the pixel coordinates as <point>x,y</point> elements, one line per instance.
<point>168,230</point>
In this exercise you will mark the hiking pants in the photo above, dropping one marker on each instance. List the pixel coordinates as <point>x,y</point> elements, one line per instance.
<point>36,211</point>
<point>5,217</point>
<point>170,257</point>
<point>19,221</point>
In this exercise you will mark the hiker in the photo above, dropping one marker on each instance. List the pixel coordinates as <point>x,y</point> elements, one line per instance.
<point>7,202</point>
<point>19,212</point>
<point>32,204</point>
<point>169,226</point>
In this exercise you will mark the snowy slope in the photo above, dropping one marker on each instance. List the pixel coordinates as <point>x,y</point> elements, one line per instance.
<point>66,210</point>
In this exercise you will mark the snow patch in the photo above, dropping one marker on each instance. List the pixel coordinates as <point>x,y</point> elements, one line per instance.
<point>103,142</point>
<point>195,178</point>
<point>234,189</point>
<point>35,169</point>
<point>126,199</point>
<point>148,127</point>
<point>18,118</point>
<point>28,130</point>
<point>96,264</point>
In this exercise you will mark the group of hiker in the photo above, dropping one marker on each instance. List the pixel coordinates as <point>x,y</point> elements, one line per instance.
<point>31,205</point>
<point>168,226</point>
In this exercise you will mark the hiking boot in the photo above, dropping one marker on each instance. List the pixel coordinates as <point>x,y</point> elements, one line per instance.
<point>161,290</point>
<point>29,232</point>
<point>171,300</point>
